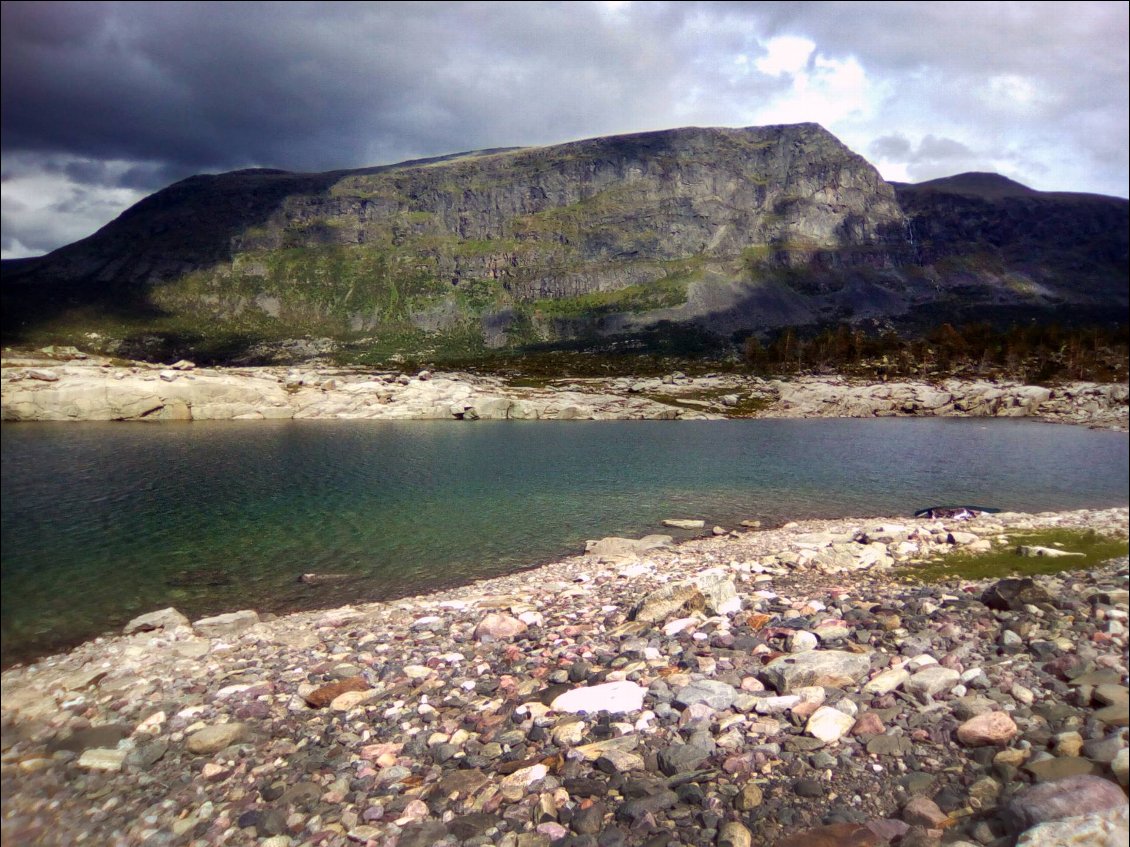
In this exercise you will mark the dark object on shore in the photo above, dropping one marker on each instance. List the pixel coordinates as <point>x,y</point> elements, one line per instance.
<point>200,578</point>
<point>315,578</point>
<point>956,513</point>
<point>1014,594</point>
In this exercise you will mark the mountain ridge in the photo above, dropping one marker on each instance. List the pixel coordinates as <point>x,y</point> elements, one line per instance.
<point>730,230</point>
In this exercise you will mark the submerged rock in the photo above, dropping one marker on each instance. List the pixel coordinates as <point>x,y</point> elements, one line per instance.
<point>1064,798</point>
<point>1110,828</point>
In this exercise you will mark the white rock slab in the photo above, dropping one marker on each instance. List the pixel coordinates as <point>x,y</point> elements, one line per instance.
<point>613,697</point>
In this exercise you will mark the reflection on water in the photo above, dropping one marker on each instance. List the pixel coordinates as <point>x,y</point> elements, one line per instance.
<point>104,521</point>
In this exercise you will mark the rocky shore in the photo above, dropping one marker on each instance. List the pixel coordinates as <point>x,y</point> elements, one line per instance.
<point>789,687</point>
<point>70,386</point>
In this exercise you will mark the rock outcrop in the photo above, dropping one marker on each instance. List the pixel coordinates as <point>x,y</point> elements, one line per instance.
<point>94,389</point>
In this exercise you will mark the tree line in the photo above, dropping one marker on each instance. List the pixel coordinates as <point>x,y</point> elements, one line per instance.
<point>1031,353</point>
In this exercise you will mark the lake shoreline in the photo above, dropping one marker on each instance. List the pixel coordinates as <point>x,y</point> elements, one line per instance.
<point>43,388</point>
<point>445,723</point>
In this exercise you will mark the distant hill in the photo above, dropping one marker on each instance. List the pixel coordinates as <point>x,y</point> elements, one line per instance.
<point>730,231</point>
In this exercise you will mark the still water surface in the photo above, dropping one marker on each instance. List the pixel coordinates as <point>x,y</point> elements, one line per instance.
<point>105,521</point>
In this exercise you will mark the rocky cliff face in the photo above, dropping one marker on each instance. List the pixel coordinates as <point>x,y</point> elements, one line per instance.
<point>733,229</point>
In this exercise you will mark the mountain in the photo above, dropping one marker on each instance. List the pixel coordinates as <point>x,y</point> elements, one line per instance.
<point>730,230</point>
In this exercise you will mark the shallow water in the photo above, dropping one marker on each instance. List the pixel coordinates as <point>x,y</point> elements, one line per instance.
<point>102,522</point>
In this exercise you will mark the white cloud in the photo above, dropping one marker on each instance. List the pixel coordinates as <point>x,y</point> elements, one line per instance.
<point>52,208</point>
<point>1015,93</point>
<point>826,90</point>
<point>785,54</point>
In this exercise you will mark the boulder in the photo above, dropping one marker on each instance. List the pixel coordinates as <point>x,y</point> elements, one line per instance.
<point>719,591</point>
<point>666,601</point>
<point>714,693</point>
<point>168,618</point>
<point>614,547</point>
<point>497,626</point>
<point>231,623</point>
<point>931,681</point>
<point>1013,594</point>
<point>1110,828</point>
<point>1062,799</point>
<point>832,668</point>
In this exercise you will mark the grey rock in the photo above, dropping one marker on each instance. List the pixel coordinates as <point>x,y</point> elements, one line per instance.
<point>590,820</point>
<point>931,681</point>
<point>681,758</point>
<point>832,668</point>
<point>614,547</point>
<point>231,623</point>
<point>659,800</point>
<point>715,694</point>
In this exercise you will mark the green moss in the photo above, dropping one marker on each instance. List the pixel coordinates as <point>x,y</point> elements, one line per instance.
<point>661,294</point>
<point>1005,561</point>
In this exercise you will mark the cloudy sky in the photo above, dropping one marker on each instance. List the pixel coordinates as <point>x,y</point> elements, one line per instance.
<point>104,103</point>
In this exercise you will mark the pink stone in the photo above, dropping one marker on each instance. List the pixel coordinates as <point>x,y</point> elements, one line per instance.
<point>496,626</point>
<point>989,728</point>
<point>553,830</point>
<point>924,812</point>
<point>868,723</point>
<point>375,751</point>
<point>735,765</point>
<point>416,810</point>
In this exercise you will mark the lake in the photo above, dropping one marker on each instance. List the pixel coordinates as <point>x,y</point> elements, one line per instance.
<point>102,522</point>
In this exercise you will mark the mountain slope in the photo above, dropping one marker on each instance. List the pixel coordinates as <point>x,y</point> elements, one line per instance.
<point>735,230</point>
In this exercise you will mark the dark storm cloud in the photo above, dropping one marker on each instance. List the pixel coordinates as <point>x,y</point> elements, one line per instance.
<point>103,102</point>
<point>317,86</point>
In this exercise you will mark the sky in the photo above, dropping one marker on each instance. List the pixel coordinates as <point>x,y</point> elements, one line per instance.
<point>104,103</point>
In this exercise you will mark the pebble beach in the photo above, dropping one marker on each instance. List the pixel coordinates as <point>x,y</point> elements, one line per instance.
<point>792,686</point>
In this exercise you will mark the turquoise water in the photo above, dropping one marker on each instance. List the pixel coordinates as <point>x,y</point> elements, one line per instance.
<point>104,521</point>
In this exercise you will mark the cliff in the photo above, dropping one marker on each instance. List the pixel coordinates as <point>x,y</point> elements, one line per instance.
<point>734,230</point>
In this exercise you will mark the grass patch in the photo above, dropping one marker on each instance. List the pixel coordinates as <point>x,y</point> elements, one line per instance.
<point>1004,561</point>
<point>660,294</point>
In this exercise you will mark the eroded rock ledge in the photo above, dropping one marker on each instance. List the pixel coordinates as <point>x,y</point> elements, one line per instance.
<point>95,390</point>
<point>780,688</point>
